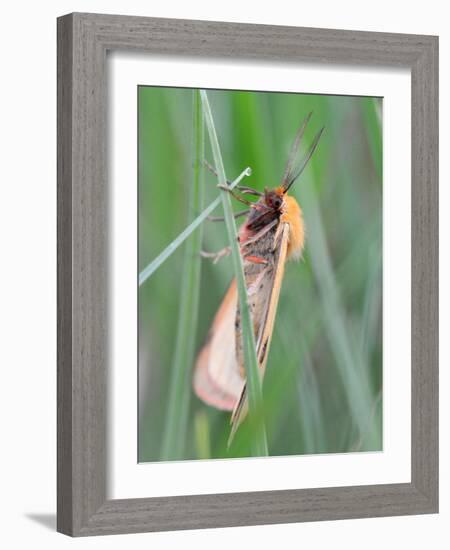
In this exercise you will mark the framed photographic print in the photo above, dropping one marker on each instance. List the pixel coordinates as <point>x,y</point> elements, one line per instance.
<point>247,274</point>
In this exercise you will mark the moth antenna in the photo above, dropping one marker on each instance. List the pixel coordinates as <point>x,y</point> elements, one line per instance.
<point>305,161</point>
<point>294,150</point>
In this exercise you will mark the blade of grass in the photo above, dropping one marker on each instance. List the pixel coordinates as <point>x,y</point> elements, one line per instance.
<point>170,249</point>
<point>180,388</point>
<point>202,439</point>
<point>371,309</point>
<point>374,133</point>
<point>353,375</point>
<point>259,443</point>
<point>310,406</point>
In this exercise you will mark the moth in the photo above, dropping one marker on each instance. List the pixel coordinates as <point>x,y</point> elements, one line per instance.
<point>272,233</point>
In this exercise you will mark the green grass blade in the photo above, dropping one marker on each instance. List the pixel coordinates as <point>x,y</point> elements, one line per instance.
<point>202,437</point>
<point>353,375</point>
<point>259,443</point>
<point>374,133</point>
<point>170,249</point>
<point>371,313</point>
<point>180,387</point>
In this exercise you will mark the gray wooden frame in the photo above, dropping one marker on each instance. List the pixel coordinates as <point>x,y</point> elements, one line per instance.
<point>83,41</point>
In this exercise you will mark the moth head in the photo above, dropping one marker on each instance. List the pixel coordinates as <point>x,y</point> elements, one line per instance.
<point>274,198</point>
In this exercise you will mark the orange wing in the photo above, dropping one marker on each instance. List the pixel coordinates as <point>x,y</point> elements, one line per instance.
<point>217,379</point>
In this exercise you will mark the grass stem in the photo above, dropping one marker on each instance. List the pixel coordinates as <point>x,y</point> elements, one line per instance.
<point>259,439</point>
<point>180,387</point>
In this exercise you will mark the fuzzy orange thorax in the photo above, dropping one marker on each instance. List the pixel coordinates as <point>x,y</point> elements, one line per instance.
<point>292,215</point>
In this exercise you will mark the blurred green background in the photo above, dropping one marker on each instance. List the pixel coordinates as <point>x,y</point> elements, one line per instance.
<point>323,386</point>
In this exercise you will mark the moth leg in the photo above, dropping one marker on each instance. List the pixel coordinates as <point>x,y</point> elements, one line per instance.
<point>260,233</point>
<point>242,188</point>
<point>216,256</point>
<point>221,218</point>
<point>240,199</point>
<point>255,259</point>
<point>213,170</point>
<point>249,191</point>
<point>234,195</point>
<point>266,213</point>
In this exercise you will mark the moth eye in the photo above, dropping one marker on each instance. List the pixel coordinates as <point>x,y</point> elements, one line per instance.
<point>276,202</point>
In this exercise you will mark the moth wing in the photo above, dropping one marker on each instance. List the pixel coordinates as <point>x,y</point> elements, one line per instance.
<point>217,380</point>
<point>266,330</point>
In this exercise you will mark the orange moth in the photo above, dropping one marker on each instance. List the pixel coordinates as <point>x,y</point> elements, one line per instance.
<point>272,233</point>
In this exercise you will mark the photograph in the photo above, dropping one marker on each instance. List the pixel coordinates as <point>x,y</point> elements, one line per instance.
<point>260,226</point>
